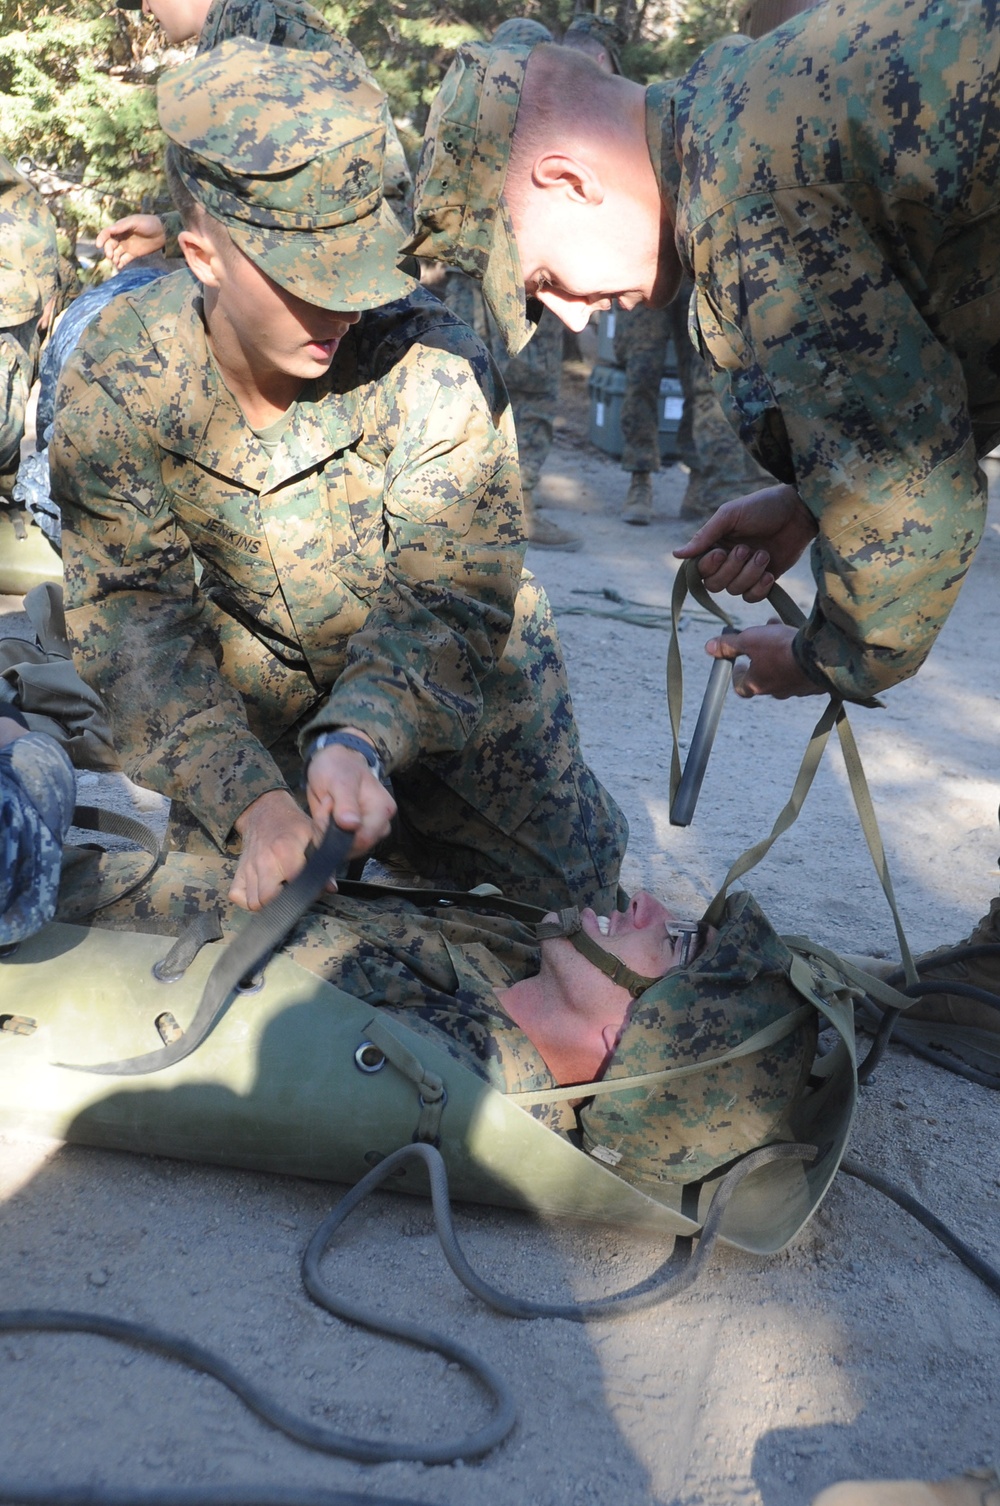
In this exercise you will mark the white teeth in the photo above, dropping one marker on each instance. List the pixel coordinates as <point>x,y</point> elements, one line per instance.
<point>604,924</point>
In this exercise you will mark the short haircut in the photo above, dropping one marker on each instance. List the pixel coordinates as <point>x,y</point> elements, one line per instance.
<point>567,99</point>
<point>187,206</point>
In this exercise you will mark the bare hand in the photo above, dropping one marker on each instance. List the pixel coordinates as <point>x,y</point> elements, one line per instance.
<point>749,542</point>
<point>773,669</point>
<point>275,836</point>
<point>341,787</point>
<point>135,235</point>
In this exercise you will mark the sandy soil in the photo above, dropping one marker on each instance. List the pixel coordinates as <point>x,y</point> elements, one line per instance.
<point>864,1349</point>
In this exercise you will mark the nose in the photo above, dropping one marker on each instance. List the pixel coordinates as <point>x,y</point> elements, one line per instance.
<point>648,911</point>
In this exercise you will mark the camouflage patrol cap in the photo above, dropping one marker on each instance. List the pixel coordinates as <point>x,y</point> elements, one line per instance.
<point>681,1130</point>
<point>603,30</point>
<point>519,31</point>
<point>458,209</point>
<point>285,149</point>
<point>37,796</point>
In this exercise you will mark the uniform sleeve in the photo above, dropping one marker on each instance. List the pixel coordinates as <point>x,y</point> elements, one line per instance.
<point>135,616</point>
<point>16,370</point>
<point>453,548</point>
<point>839,385</point>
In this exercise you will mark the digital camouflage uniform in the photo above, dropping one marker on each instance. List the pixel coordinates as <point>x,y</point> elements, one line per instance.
<point>532,378</point>
<point>837,204</point>
<point>37,796</point>
<point>367,573</point>
<point>848,293</point>
<point>367,576</point>
<point>720,467</point>
<point>29,277</point>
<point>641,337</point>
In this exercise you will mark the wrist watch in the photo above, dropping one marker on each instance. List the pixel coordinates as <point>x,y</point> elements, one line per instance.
<point>345,740</point>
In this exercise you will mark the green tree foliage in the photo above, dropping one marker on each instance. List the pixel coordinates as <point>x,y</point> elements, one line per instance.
<point>73,102</point>
<point>702,22</point>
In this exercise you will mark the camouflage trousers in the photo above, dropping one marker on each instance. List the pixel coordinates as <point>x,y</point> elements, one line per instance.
<point>641,337</point>
<point>532,378</point>
<point>720,467</point>
<point>518,807</point>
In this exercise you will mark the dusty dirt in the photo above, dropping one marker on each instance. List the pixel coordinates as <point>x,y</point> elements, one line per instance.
<point>864,1349</point>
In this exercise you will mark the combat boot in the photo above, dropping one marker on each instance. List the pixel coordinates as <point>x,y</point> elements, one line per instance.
<point>542,533</point>
<point>639,500</point>
<point>981,972</point>
<point>977,1487</point>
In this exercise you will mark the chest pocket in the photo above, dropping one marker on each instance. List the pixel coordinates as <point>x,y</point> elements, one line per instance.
<point>230,549</point>
<point>355,501</point>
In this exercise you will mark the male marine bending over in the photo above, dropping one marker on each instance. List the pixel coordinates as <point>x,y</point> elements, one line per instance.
<point>291,510</point>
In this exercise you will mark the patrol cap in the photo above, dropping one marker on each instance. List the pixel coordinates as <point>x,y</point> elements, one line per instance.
<point>604,30</point>
<point>37,796</point>
<point>459,214</point>
<point>285,148</point>
<point>519,31</point>
<point>681,1129</point>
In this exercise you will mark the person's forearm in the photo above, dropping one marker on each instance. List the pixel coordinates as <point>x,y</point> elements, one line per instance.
<point>885,588</point>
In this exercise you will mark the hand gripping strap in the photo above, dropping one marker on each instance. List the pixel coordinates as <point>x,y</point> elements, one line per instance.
<point>242,957</point>
<point>688,580</point>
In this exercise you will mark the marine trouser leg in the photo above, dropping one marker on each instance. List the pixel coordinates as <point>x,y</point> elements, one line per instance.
<point>519,807</point>
<point>641,342</point>
<point>533,378</point>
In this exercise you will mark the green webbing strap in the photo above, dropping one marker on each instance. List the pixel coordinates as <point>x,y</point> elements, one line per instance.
<point>869,825</point>
<point>688,581</point>
<point>869,983</point>
<point>430,1088</point>
<point>760,1041</point>
<point>787,815</point>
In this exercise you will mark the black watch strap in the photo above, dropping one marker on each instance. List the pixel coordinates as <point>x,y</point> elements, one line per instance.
<point>338,739</point>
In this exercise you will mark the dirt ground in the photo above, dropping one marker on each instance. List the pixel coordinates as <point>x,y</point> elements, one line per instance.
<point>863,1350</point>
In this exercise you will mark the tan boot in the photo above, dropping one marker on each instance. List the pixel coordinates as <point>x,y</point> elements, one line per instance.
<point>639,500</point>
<point>977,1487</point>
<point>982,972</point>
<point>542,533</point>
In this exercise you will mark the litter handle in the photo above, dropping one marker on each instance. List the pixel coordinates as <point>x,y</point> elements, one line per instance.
<point>682,807</point>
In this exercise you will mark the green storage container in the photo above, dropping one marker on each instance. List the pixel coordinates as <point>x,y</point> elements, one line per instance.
<point>607,391</point>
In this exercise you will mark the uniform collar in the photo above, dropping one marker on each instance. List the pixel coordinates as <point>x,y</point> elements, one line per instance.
<point>200,418</point>
<point>661,138</point>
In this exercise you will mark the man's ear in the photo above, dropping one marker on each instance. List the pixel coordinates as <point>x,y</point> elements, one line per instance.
<point>569,175</point>
<point>202,255</point>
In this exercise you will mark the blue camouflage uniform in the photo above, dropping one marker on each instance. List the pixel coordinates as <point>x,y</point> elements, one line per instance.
<point>37,796</point>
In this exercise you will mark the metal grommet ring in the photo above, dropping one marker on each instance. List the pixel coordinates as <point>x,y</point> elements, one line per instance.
<point>161,975</point>
<point>368,1057</point>
<point>442,1099</point>
<point>8,950</point>
<point>252,985</point>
